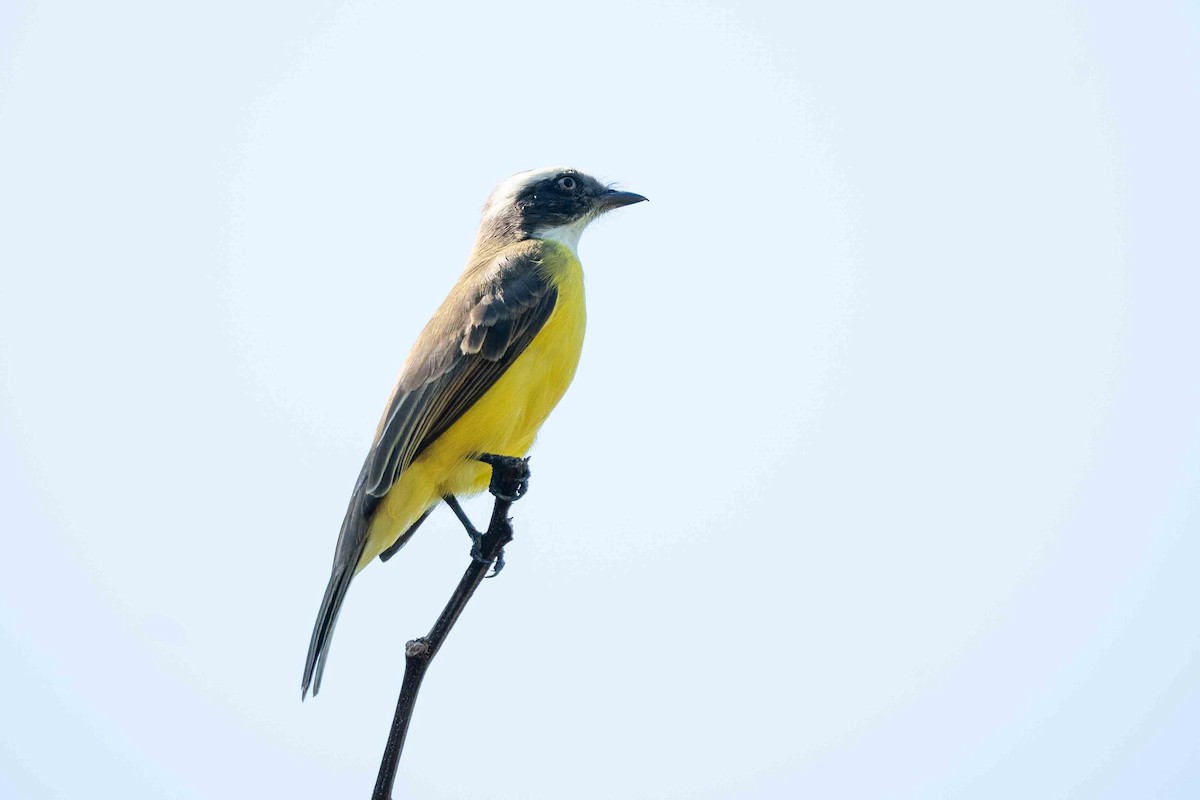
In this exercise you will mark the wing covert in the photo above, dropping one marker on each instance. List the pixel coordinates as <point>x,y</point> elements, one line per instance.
<point>479,331</point>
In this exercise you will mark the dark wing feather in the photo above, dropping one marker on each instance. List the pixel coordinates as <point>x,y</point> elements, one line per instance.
<point>483,326</point>
<point>447,374</point>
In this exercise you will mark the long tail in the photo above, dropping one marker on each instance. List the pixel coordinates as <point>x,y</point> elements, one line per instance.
<point>318,646</point>
<point>351,541</point>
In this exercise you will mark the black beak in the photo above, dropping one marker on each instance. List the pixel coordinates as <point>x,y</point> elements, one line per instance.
<point>611,198</point>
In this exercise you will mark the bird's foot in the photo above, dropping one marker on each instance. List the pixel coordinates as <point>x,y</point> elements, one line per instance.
<point>477,555</point>
<point>510,476</point>
<point>476,536</point>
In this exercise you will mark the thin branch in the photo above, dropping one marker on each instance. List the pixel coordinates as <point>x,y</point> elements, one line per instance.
<point>509,479</point>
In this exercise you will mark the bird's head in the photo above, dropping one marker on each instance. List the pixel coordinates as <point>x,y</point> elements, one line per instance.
<point>549,203</point>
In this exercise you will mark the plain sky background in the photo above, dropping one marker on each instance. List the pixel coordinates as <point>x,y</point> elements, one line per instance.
<point>880,476</point>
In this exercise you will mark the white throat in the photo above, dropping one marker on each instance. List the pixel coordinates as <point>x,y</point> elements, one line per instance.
<point>566,235</point>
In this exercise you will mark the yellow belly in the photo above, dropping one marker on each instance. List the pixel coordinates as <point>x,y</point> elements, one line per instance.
<point>504,421</point>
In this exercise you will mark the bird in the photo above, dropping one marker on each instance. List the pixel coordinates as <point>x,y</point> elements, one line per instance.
<point>482,377</point>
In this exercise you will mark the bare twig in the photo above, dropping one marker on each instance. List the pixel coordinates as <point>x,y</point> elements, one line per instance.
<point>509,476</point>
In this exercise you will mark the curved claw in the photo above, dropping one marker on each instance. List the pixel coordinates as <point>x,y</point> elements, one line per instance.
<point>499,565</point>
<point>477,555</point>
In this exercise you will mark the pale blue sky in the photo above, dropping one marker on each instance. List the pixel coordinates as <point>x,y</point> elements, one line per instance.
<point>880,476</point>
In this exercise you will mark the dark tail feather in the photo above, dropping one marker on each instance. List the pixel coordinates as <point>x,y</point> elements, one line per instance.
<point>318,646</point>
<point>351,540</point>
<point>331,606</point>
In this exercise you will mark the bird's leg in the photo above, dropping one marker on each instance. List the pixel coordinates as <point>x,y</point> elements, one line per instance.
<point>510,476</point>
<point>510,481</point>
<point>452,501</point>
<point>472,531</point>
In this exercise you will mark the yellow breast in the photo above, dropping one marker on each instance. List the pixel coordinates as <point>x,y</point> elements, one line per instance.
<point>504,421</point>
<point>507,418</point>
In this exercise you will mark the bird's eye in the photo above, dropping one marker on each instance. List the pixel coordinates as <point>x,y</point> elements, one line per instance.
<point>566,183</point>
